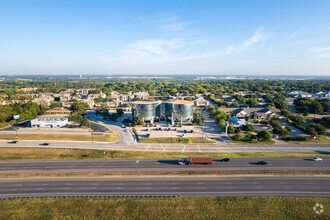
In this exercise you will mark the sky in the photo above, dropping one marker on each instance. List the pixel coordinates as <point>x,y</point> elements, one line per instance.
<point>204,37</point>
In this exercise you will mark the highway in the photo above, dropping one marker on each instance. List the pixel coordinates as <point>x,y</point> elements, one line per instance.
<point>299,186</point>
<point>221,147</point>
<point>153,165</point>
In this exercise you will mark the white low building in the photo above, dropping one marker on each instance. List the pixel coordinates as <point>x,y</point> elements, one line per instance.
<point>50,122</point>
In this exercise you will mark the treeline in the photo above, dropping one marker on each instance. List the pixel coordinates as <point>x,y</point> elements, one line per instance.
<point>314,106</point>
<point>26,111</point>
<point>168,87</point>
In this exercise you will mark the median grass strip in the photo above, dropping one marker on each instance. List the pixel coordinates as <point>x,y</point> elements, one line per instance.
<point>165,208</point>
<point>65,154</point>
<point>168,140</point>
<point>322,140</point>
<point>69,137</point>
<point>145,174</point>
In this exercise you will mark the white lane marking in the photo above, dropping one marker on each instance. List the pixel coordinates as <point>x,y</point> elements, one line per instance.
<point>184,148</point>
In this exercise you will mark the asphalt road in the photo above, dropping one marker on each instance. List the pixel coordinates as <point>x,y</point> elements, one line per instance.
<point>235,164</point>
<point>223,147</point>
<point>125,136</point>
<point>183,186</point>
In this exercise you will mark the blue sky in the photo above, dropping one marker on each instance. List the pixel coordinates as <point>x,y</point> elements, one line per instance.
<point>282,37</point>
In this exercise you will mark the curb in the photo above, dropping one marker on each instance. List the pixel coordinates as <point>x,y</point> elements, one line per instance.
<point>88,196</point>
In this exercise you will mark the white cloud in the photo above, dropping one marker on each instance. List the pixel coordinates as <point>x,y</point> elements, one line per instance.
<point>320,52</point>
<point>320,49</point>
<point>257,37</point>
<point>151,52</point>
<point>171,23</point>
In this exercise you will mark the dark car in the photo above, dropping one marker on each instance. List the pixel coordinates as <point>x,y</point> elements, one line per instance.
<point>13,142</point>
<point>44,144</point>
<point>225,160</point>
<point>262,163</point>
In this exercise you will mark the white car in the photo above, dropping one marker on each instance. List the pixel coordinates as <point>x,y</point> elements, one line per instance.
<point>317,159</point>
<point>123,126</point>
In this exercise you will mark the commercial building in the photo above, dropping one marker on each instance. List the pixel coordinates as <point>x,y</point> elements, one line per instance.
<point>50,121</point>
<point>172,110</point>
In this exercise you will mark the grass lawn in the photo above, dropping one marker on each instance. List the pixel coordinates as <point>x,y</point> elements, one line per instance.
<point>165,208</point>
<point>251,142</point>
<point>322,140</point>
<point>70,137</point>
<point>64,154</point>
<point>194,140</point>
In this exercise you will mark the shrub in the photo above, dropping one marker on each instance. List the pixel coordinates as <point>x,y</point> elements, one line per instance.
<point>237,137</point>
<point>184,140</point>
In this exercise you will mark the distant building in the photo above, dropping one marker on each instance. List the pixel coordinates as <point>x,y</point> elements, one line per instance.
<point>50,121</point>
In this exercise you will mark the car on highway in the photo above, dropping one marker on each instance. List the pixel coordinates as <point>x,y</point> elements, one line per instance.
<point>13,142</point>
<point>225,160</point>
<point>123,126</point>
<point>183,161</point>
<point>317,159</point>
<point>44,144</point>
<point>262,163</point>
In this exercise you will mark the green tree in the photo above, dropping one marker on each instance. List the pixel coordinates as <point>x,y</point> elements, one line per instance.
<point>85,123</point>
<point>138,121</point>
<point>264,136</point>
<point>248,127</point>
<point>237,137</point>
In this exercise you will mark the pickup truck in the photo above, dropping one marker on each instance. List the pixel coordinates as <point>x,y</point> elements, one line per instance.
<point>195,159</point>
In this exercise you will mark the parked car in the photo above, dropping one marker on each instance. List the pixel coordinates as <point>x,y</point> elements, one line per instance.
<point>225,160</point>
<point>317,159</point>
<point>262,163</point>
<point>123,126</point>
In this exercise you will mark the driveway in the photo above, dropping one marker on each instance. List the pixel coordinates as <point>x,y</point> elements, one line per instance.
<point>125,135</point>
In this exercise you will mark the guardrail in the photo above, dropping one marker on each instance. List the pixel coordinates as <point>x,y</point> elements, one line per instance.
<point>89,196</point>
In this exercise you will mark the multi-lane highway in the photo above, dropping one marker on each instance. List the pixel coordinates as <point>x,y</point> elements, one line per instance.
<point>235,164</point>
<point>223,147</point>
<point>302,186</point>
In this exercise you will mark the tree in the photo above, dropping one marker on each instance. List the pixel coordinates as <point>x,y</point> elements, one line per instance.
<point>297,119</point>
<point>320,129</point>
<point>237,137</point>
<point>79,107</point>
<point>284,132</point>
<point>85,123</point>
<point>316,108</point>
<point>203,117</point>
<point>120,112</point>
<point>138,121</point>
<point>248,127</point>
<point>264,136</point>
<point>54,105</point>
<point>231,129</point>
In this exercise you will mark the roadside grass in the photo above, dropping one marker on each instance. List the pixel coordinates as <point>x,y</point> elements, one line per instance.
<point>165,208</point>
<point>322,140</point>
<point>168,140</point>
<point>7,154</point>
<point>167,173</point>
<point>70,137</point>
<point>243,141</point>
